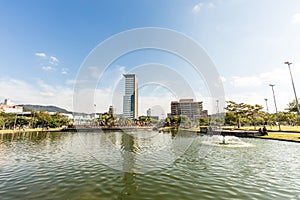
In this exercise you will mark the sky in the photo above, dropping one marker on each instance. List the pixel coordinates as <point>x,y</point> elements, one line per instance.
<point>43,45</point>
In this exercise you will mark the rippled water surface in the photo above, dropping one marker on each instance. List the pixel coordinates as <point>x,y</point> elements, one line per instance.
<point>145,165</point>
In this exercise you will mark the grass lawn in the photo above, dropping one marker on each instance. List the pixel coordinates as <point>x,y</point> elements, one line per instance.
<point>251,128</point>
<point>283,136</point>
<point>271,128</point>
<point>272,135</point>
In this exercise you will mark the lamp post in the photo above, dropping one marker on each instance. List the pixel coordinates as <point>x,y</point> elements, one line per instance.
<point>15,121</point>
<point>288,63</point>
<point>95,115</point>
<point>267,109</point>
<point>272,86</point>
<point>217,115</point>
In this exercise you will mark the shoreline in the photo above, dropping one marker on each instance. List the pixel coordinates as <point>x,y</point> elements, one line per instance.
<point>8,131</point>
<point>79,129</point>
<point>287,136</point>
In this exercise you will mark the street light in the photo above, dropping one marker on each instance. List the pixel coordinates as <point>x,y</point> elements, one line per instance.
<point>267,105</point>
<point>288,63</point>
<point>267,109</point>
<point>217,106</point>
<point>95,115</point>
<point>272,85</point>
<point>217,115</point>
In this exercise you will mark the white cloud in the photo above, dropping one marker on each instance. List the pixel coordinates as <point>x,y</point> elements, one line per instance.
<point>47,60</point>
<point>53,60</point>
<point>65,71</point>
<point>48,68</point>
<point>211,5</point>
<point>163,102</point>
<point>46,88</point>
<point>121,69</point>
<point>251,98</point>
<point>277,75</point>
<point>40,54</point>
<point>255,88</point>
<point>47,94</point>
<point>283,97</point>
<point>246,81</point>
<point>295,18</point>
<point>223,79</point>
<point>36,92</point>
<point>95,72</point>
<point>70,82</point>
<point>197,8</point>
<point>84,100</point>
<point>18,91</point>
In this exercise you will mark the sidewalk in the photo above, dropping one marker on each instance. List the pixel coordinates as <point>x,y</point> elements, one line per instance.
<point>29,130</point>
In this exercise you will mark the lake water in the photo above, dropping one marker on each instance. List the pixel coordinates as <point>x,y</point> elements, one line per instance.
<point>146,165</point>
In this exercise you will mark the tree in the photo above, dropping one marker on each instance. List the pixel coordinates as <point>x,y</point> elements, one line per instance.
<point>23,121</point>
<point>58,120</point>
<point>105,118</point>
<point>44,118</point>
<point>271,118</point>
<point>108,119</point>
<point>145,120</point>
<point>292,106</point>
<point>288,118</point>
<point>230,118</point>
<point>238,113</point>
<point>184,120</point>
<point>174,120</point>
<point>253,113</point>
<point>203,121</point>
<point>41,118</point>
<point>7,120</point>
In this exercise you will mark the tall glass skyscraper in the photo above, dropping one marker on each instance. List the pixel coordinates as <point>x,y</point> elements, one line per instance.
<point>130,99</point>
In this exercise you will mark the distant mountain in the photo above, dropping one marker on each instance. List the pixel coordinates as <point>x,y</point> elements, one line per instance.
<point>46,108</point>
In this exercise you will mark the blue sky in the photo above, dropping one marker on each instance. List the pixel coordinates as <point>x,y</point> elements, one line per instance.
<point>43,44</point>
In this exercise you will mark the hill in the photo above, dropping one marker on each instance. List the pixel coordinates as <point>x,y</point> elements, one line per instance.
<point>28,107</point>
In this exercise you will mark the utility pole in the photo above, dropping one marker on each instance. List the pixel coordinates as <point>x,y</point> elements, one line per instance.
<point>272,86</point>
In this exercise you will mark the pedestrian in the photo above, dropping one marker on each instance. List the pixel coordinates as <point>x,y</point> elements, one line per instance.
<point>265,132</point>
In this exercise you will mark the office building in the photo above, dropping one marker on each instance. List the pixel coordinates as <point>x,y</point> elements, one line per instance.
<point>149,112</point>
<point>189,108</point>
<point>130,99</point>
<point>112,111</point>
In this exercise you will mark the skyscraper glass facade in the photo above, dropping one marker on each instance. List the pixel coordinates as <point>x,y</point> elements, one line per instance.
<point>130,99</point>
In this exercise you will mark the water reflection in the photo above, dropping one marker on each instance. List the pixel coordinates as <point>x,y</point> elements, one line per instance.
<point>136,152</point>
<point>109,165</point>
<point>129,149</point>
<point>36,137</point>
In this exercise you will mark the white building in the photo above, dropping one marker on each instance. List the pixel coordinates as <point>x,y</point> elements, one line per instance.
<point>130,99</point>
<point>82,119</point>
<point>8,107</point>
